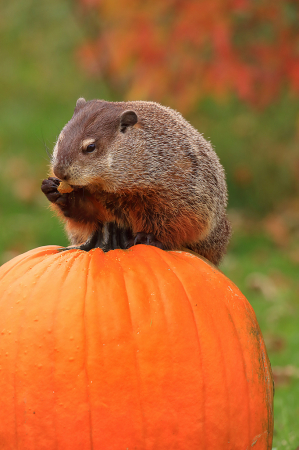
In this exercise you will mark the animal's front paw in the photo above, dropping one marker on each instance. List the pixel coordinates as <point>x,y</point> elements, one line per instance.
<point>49,188</point>
<point>147,239</point>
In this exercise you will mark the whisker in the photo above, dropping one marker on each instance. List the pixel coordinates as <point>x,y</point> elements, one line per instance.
<point>46,148</point>
<point>48,151</point>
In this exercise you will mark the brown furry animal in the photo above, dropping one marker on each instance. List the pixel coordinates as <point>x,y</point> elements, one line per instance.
<point>142,167</point>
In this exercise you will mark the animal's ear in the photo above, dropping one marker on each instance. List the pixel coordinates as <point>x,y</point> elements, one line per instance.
<point>80,103</point>
<point>127,119</point>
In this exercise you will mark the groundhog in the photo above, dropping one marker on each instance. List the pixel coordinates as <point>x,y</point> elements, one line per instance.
<point>140,174</point>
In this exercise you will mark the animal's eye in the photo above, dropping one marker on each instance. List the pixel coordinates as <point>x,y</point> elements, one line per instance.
<point>90,148</point>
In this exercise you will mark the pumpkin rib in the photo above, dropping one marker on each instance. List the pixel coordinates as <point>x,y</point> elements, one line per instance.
<point>219,346</point>
<point>137,362</point>
<point>54,359</point>
<point>250,315</point>
<point>97,263</point>
<point>81,258</point>
<point>162,303</point>
<point>120,332</point>
<point>20,332</point>
<point>53,364</point>
<point>64,272</point>
<point>237,335</point>
<point>165,256</point>
<point>21,327</point>
<point>158,253</point>
<point>238,340</point>
<point>269,388</point>
<point>69,361</point>
<point>86,356</point>
<point>187,301</point>
<point>73,257</point>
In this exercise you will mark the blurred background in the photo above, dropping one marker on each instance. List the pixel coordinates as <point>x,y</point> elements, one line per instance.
<point>232,68</point>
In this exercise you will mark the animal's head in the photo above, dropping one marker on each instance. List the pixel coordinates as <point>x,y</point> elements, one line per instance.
<point>98,146</point>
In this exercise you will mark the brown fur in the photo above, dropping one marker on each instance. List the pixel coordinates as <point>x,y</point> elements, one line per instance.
<point>158,175</point>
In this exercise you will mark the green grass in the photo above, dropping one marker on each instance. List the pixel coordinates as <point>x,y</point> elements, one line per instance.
<point>39,84</point>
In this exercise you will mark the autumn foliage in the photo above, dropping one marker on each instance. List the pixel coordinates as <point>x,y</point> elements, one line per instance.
<point>178,51</point>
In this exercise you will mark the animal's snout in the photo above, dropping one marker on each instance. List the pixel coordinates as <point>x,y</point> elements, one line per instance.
<point>61,173</point>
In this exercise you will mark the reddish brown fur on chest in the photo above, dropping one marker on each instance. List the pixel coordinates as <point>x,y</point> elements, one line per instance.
<point>151,213</point>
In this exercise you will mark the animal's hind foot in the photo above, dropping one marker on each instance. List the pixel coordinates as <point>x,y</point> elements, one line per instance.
<point>108,237</point>
<point>111,237</point>
<point>148,239</point>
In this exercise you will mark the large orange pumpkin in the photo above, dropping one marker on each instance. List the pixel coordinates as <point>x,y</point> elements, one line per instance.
<point>140,349</point>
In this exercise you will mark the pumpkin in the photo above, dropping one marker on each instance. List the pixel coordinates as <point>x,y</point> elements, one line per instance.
<point>131,349</point>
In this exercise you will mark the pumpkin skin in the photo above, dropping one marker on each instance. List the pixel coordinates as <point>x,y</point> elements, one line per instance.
<point>132,349</point>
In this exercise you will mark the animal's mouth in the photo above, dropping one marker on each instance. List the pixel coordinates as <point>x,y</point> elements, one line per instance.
<point>74,186</point>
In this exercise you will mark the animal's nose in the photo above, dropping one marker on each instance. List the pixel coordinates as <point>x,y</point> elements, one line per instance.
<point>61,173</point>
